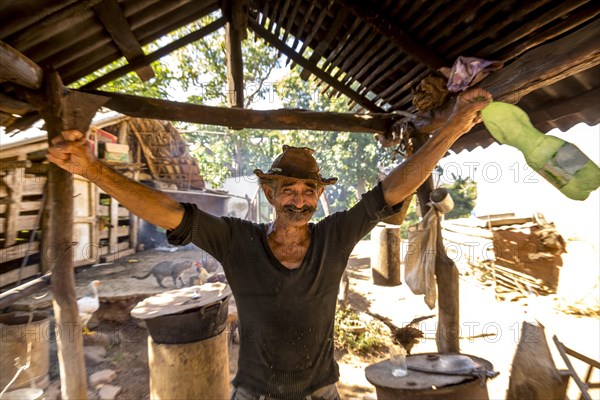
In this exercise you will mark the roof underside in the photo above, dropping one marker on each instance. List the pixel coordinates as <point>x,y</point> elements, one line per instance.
<point>377,50</point>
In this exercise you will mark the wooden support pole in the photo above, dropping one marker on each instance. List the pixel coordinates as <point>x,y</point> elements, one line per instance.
<point>114,21</point>
<point>448,330</point>
<point>236,14</point>
<point>57,252</point>
<point>385,263</point>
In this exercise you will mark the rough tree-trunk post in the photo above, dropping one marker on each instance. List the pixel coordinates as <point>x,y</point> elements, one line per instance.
<point>63,109</point>
<point>57,254</point>
<point>448,330</point>
<point>236,15</point>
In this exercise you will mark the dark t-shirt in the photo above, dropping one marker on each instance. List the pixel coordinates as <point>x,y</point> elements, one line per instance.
<point>286,317</point>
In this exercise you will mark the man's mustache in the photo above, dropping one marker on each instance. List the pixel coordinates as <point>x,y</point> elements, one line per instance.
<point>293,208</point>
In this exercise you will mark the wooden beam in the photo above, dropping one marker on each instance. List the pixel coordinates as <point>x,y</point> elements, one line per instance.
<point>57,249</point>
<point>17,68</point>
<point>147,59</point>
<point>537,68</point>
<point>236,14</point>
<point>112,18</point>
<point>392,31</point>
<point>144,107</point>
<point>304,63</point>
<point>14,106</point>
<point>29,16</point>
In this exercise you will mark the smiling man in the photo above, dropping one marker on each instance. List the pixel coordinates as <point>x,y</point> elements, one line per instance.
<point>285,274</point>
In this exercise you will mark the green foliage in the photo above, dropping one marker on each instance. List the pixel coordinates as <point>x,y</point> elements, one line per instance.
<point>410,219</point>
<point>464,194</point>
<point>199,71</point>
<point>370,342</point>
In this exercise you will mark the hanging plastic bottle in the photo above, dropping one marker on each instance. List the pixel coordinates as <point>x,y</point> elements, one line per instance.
<point>558,161</point>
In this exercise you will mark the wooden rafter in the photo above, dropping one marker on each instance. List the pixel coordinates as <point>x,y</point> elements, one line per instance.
<point>163,51</point>
<point>554,30</point>
<point>17,68</point>
<point>112,18</point>
<point>493,30</point>
<point>323,44</point>
<point>304,63</point>
<point>74,14</point>
<point>394,33</point>
<point>528,28</point>
<point>537,68</point>
<point>14,106</point>
<point>305,19</point>
<point>173,20</point>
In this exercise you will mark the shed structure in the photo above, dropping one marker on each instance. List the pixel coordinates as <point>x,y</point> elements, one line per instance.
<point>152,151</point>
<point>376,53</point>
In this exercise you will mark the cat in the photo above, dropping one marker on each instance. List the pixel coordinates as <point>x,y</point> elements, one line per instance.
<point>169,268</point>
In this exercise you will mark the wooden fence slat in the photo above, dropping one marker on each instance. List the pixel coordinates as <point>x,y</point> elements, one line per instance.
<point>13,276</point>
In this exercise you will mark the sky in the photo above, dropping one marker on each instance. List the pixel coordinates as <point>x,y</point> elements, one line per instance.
<point>505,184</point>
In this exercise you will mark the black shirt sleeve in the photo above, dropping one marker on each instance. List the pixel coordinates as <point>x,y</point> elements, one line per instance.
<point>377,208</point>
<point>352,225</point>
<point>210,233</point>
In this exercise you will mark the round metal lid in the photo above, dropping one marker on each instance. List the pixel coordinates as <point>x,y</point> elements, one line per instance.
<point>180,300</point>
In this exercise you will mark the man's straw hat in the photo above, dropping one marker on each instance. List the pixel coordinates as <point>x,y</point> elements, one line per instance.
<point>296,163</point>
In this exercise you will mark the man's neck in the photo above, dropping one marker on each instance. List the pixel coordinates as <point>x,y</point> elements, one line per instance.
<point>289,243</point>
<point>282,232</point>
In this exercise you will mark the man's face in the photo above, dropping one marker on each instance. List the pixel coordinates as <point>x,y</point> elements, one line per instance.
<point>295,201</point>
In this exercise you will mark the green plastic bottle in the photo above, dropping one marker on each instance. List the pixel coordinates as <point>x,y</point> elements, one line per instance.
<point>559,162</point>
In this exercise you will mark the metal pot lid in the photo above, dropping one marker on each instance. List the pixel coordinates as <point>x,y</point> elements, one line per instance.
<point>180,300</point>
<point>450,364</point>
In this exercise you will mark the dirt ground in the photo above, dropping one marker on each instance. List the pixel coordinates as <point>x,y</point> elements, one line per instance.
<point>481,313</point>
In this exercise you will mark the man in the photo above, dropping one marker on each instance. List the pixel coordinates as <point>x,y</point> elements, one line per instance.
<point>284,275</point>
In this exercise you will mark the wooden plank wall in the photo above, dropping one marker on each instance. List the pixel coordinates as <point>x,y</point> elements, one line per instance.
<point>101,225</point>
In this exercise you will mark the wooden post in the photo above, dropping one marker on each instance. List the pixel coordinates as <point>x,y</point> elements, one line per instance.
<point>189,371</point>
<point>57,253</point>
<point>113,235</point>
<point>386,260</point>
<point>15,184</point>
<point>236,15</point>
<point>448,330</point>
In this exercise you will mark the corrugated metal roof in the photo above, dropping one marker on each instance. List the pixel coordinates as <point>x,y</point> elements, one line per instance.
<point>378,50</point>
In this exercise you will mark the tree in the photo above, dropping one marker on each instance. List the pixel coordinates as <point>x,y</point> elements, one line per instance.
<point>464,194</point>
<point>199,70</point>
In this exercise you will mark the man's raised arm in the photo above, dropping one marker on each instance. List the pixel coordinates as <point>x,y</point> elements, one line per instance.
<point>408,176</point>
<point>71,151</point>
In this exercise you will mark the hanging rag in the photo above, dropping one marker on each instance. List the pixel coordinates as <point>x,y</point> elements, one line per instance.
<point>419,261</point>
<point>467,71</point>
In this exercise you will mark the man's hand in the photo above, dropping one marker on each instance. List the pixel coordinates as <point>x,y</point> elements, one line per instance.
<point>466,110</point>
<point>71,152</point>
